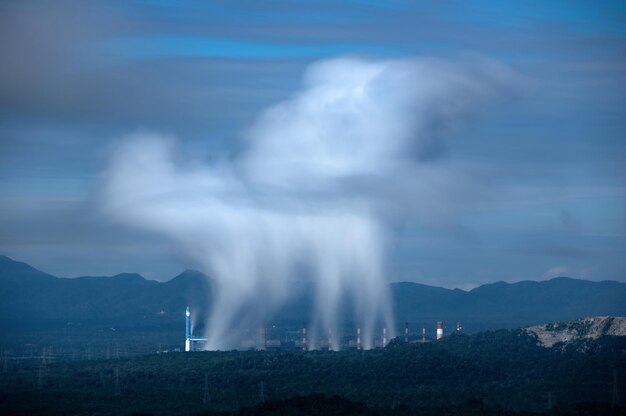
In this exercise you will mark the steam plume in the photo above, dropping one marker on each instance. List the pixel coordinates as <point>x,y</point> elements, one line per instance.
<point>320,177</point>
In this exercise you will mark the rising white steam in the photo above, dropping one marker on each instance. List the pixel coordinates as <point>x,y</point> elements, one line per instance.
<point>318,179</point>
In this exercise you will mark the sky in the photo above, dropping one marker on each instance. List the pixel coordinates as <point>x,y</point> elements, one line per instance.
<point>547,193</point>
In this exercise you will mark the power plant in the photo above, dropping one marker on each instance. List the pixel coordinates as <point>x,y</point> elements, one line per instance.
<point>299,339</point>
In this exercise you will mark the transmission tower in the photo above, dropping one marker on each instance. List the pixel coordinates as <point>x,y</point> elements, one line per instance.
<point>205,398</point>
<point>40,376</point>
<point>117,391</point>
<point>615,398</point>
<point>549,400</point>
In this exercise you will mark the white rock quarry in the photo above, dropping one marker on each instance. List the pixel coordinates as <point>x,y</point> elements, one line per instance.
<point>586,328</point>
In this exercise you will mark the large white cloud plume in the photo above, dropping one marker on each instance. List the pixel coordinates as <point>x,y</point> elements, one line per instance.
<point>317,181</point>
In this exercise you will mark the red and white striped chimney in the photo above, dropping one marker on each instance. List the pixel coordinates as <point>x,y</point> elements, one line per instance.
<point>439,330</point>
<point>358,337</point>
<point>304,337</point>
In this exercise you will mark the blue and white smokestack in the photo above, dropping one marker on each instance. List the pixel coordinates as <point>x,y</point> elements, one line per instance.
<point>188,344</point>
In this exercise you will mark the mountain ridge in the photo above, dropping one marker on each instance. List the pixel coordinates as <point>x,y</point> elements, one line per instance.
<point>30,297</point>
<point>195,273</point>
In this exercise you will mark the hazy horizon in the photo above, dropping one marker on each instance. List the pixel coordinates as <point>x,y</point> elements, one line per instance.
<point>467,288</point>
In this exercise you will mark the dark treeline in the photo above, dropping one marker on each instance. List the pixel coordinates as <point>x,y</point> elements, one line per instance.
<point>501,372</point>
<point>316,405</point>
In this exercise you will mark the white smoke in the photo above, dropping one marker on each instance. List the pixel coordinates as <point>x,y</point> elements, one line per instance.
<point>320,176</point>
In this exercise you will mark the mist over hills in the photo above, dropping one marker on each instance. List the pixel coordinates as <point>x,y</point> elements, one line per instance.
<point>32,299</point>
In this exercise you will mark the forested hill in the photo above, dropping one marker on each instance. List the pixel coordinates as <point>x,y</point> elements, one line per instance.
<point>30,298</point>
<point>452,376</point>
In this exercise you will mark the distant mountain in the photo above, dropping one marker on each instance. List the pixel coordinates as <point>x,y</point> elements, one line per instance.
<point>31,299</point>
<point>510,305</point>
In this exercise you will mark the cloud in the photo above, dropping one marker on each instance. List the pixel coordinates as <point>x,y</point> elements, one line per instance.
<point>557,271</point>
<point>318,180</point>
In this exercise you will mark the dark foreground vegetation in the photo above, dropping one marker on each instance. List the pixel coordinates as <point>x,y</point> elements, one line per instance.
<point>336,406</point>
<point>492,373</point>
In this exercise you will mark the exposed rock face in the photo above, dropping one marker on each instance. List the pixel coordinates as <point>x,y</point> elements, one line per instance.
<point>586,328</point>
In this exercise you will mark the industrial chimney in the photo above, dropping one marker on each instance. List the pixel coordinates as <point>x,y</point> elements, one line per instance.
<point>304,337</point>
<point>191,342</point>
<point>188,344</point>
<point>406,332</point>
<point>384,337</point>
<point>439,330</point>
<point>358,337</point>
